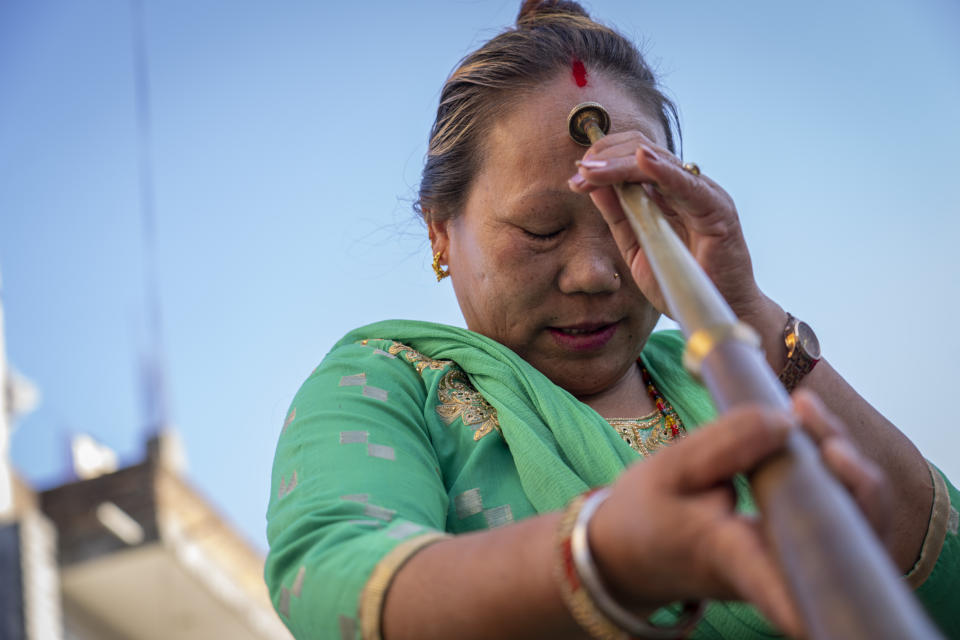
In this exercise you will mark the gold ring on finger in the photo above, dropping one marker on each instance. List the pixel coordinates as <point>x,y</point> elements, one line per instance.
<point>691,167</point>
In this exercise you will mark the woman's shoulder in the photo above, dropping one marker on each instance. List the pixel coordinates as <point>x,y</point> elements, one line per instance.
<point>423,346</point>
<point>403,331</point>
<point>368,375</point>
<point>382,351</point>
<point>387,349</point>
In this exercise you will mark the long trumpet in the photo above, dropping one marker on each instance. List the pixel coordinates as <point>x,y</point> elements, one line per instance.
<point>843,582</point>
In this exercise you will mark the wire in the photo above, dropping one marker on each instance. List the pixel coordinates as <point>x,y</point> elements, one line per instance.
<point>153,379</point>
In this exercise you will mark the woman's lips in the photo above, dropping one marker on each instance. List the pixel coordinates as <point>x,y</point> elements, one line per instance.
<point>584,337</point>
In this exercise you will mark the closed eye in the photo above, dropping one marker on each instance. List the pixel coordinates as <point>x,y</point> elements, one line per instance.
<point>542,237</point>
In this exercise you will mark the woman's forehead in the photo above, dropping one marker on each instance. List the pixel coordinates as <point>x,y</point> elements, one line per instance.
<point>528,148</point>
<point>542,112</point>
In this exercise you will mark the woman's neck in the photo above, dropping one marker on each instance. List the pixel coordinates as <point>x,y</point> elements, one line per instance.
<point>627,398</point>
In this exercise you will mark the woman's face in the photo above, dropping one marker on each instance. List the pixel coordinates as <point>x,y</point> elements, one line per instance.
<point>533,264</point>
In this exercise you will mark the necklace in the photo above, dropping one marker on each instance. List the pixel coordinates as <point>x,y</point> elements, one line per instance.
<point>666,410</point>
<point>649,433</point>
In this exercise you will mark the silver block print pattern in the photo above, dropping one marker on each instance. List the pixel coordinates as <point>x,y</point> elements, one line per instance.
<point>285,488</point>
<point>381,451</point>
<point>298,582</point>
<point>381,513</point>
<point>403,530</point>
<point>370,510</point>
<point>366,523</point>
<point>351,437</point>
<point>375,392</point>
<point>468,503</point>
<point>290,418</point>
<point>356,380</point>
<point>295,591</point>
<point>368,391</point>
<point>498,516</point>
<point>373,450</point>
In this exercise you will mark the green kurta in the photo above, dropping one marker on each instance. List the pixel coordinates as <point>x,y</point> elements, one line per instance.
<point>408,429</point>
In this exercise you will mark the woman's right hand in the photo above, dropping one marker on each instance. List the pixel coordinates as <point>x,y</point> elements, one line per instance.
<point>670,530</point>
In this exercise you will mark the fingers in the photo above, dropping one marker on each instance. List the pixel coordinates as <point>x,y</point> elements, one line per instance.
<point>697,200</point>
<point>865,482</point>
<point>701,213</point>
<point>738,556</point>
<point>629,168</point>
<point>608,143</point>
<point>732,444</point>
<point>696,195</point>
<point>859,475</point>
<point>615,159</point>
<point>817,420</point>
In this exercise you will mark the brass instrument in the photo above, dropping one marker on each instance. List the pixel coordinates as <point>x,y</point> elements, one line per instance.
<point>843,582</point>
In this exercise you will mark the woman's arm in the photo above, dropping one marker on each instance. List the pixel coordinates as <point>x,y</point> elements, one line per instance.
<point>491,584</point>
<point>668,532</point>
<point>909,483</point>
<point>705,217</point>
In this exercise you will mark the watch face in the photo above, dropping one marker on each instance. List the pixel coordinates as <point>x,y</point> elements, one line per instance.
<point>808,341</point>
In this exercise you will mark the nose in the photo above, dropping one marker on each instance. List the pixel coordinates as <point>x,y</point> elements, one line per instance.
<point>591,266</point>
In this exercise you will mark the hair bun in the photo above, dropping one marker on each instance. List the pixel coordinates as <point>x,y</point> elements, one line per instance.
<point>531,9</point>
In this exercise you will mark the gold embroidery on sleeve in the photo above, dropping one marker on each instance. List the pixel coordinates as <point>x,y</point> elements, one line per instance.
<point>417,359</point>
<point>458,398</point>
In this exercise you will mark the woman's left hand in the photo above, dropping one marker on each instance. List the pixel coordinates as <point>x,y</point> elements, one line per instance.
<point>701,212</point>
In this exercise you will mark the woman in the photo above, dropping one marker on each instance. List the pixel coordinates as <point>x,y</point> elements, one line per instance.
<point>424,473</point>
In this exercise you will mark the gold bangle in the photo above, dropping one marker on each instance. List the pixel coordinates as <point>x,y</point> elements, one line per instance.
<point>702,341</point>
<point>581,606</point>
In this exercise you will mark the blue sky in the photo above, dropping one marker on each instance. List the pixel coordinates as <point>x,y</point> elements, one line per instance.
<point>287,144</point>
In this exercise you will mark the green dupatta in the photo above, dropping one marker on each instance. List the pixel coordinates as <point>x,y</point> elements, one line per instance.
<point>560,445</point>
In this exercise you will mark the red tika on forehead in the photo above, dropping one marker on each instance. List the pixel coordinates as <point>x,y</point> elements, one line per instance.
<point>579,73</point>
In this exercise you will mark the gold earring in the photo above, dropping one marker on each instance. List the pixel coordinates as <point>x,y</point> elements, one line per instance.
<point>437,269</point>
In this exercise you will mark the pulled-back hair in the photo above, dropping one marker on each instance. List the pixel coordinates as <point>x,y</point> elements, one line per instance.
<point>547,37</point>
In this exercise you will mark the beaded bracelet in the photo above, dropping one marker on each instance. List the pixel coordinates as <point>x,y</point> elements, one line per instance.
<point>582,589</point>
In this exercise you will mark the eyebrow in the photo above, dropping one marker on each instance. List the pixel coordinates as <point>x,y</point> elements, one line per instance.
<point>541,199</point>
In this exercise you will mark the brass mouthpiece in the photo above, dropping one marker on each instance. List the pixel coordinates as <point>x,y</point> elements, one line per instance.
<point>588,122</point>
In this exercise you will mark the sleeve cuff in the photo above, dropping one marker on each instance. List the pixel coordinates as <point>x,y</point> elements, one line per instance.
<point>936,532</point>
<point>372,597</point>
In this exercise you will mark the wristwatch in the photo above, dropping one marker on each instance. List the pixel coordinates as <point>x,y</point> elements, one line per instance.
<point>803,352</point>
